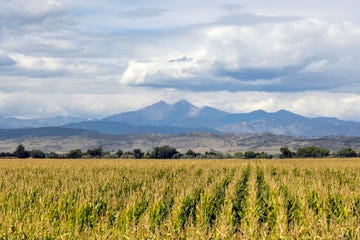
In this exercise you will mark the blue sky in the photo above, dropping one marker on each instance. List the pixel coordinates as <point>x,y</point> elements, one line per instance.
<point>96,58</point>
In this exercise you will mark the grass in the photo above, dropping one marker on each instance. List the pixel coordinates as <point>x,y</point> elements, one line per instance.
<point>180,199</point>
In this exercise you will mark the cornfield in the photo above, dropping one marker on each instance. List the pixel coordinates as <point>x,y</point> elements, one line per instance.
<point>180,199</point>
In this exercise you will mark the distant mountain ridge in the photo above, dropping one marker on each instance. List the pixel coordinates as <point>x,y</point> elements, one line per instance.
<point>184,114</point>
<point>183,117</point>
<point>15,123</point>
<point>121,128</point>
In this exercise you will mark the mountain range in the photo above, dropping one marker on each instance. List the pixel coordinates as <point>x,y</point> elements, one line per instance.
<point>57,121</point>
<point>183,117</point>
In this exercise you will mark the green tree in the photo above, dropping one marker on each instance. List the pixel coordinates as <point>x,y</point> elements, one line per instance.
<point>312,151</point>
<point>346,152</point>
<point>96,152</point>
<point>138,153</point>
<point>249,154</point>
<point>190,152</point>
<point>53,155</point>
<point>75,154</point>
<point>164,152</point>
<point>37,154</point>
<point>21,152</point>
<point>119,153</point>
<point>285,152</point>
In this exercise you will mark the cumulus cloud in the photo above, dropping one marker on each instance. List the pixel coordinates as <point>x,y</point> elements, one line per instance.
<point>286,53</point>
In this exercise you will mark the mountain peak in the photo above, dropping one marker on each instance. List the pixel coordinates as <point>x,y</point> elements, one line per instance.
<point>160,103</point>
<point>183,102</point>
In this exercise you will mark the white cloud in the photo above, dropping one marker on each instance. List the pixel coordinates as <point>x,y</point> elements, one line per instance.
<point>46,64</point>
<point>269,48</point>
<point>311,104</point>
<point>138,72</point>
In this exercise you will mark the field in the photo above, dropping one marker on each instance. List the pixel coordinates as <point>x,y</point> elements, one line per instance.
<point>194,199</point>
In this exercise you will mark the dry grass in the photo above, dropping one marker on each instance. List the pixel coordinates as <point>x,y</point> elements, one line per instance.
<point>187,199</point>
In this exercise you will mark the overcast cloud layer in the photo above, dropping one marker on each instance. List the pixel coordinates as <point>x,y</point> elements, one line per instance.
<point>96,58</point>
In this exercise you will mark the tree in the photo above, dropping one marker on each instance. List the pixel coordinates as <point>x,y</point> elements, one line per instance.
<point>138,153</point>
<point>238,155</point>
<point>346,152</point>
<point>164,152</point>
<point>75,154</point>
<point>37,154</point>
<point>249,154</point>
<point>53,155</point>
<point>312,151</point>
<point>190,152</point>
<point>285,152</point>
<point>20,152</point>
<point>96,152</point>
<point>119,153</point>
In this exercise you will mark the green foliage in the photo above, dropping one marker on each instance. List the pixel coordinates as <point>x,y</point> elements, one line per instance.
<point>240,203</point>
<point>37,154</point>
<point>119,153</point>
<point>212,203</point>
<point>334,208</point>
<point>96,152</point>
<point>77,153</point>
<point>292,207</point>
<point>312,151</point>
<point>264,205</point>
<point>164,152</point>
<point>138,153</point>
<point>314,202</point>
<point>188,208</point>
<point>346,152</point>
<point>239,155</point>
<point>21,152</point>
<point>249,154</point>
<point>161,209</point>
<point>285,152</point>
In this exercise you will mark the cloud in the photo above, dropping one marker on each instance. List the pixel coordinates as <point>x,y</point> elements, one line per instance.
<point>5,60</point>
<point>143,12</point>
<point>285,53</point>
<point>32,13</point>
<point>311,104</point>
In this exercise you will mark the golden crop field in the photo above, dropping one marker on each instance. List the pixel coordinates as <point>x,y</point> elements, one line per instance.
<point>180,199</point>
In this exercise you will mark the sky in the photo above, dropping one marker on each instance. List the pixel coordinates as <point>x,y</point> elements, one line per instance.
<point>93,58</point>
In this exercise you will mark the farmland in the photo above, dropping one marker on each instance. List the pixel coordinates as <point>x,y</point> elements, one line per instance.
<point>179,199</point>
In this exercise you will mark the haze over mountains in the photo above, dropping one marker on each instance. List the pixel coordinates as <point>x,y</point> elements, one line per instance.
<point>57,121</point>
<point>183,117</point>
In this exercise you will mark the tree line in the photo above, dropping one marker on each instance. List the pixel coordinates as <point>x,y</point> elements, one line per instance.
<point>168,152</point>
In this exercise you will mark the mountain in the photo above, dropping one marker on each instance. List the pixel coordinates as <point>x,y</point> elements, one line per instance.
<point>14,123</point>
<point>121,128</point>
<point>158,114</point>
<point>24,133</point>
<point>184,117</point>
<point>184,114</point>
